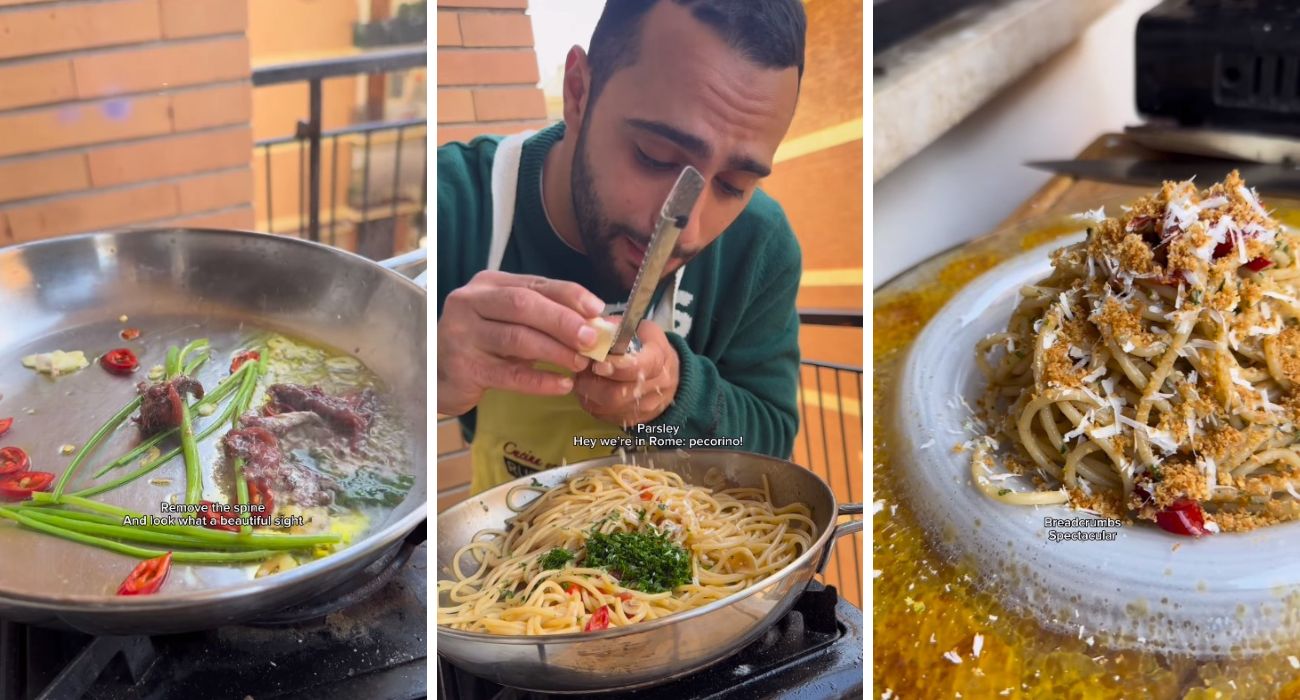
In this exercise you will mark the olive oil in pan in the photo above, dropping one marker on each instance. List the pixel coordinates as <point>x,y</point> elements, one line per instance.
<point>372,477</point>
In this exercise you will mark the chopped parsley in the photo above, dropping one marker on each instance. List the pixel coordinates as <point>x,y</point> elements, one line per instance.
<point>1003,492</point>
<point>645,560</point>
<point>536,483</point>
<point>643,515</point>
<point>556,558</point>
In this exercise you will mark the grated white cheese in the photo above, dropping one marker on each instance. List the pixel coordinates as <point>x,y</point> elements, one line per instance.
<point>978,645</point>
<point>952,656</point>
<point>927,444</point>
<point>1248,194</point>
<point>1291,490</point>
<point>1282,297</point>
<point>1096,216</point>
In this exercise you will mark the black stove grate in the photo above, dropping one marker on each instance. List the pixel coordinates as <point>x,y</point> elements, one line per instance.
<point>813,653</point>
<point>366,641</point>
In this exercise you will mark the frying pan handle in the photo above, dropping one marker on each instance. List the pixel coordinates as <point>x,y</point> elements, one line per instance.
<point>408,263</point>
<point>841,530</point>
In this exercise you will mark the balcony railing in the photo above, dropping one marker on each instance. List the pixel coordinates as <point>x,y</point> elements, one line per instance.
<point>830,439</point>
<point>376,229</point>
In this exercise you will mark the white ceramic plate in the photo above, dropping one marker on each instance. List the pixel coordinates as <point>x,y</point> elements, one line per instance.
<point>1227,593</point>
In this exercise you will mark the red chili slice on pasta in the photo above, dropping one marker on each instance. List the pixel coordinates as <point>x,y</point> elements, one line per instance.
<point>598,621</point>
<point>5,423</point>
<point>1183,517</point>
<point>1259,264</point>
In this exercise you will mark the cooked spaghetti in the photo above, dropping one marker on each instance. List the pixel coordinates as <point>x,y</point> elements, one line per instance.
<point>619,545</point>
<point>1156,372</point>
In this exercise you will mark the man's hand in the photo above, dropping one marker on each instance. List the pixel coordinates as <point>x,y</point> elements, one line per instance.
<point>627,390</point>
<point>493,329</point>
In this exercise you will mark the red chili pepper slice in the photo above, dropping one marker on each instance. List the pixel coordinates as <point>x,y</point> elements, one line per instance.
<point>130,333</point>
<point>1183,517</point>
<point>571,588</point>
<point>18,486</point>
<point>1260,263</point>
<point>598,621</point>
<point>1222,249</point>
<point>259,493</point>
<point>625,596</point>
<point>243,357</point>
<point>645,494</point>
<point>211,517</point>
<point>147,577</point>
<point>13,459</point>
<point>119,361</point>
<point>4,425</point>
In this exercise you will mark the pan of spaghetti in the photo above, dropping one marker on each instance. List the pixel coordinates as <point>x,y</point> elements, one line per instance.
<point>1106,427</point>
<point>631,570</point>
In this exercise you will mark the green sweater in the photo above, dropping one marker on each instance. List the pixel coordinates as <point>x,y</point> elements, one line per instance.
<point>737,327</point>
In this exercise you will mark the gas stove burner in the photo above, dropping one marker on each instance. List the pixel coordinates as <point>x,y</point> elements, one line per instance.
<point>813,653</point>
<point>368,642</point>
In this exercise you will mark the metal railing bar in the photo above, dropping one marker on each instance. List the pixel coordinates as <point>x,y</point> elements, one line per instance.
<point>378,61</point>
<point>803,419</point>
<point>424,185</point>
<point>313,183</point>
<point>848,472</point>
<point>365,192</point>
<point>361,128</point>
<point>270,212</point>
<point>832,365</point>
<point>821,412</point>
<point>334,188</point>
<point>302,185</point>
<point>397,180</point>
<point>831,317</point>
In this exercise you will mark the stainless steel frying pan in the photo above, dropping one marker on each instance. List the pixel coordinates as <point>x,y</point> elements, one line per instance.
<point>654,652</point>
<point>176,285</point>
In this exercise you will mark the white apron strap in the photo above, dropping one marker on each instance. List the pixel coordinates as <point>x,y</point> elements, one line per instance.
<point>505,183</point>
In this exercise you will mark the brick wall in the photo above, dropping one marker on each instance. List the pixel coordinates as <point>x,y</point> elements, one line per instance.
<point>487,70</point>
<point>123,112</point>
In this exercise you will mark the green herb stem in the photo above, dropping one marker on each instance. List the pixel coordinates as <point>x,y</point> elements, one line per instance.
<point>200,557</point>
<point>213,536</point>
<point>218,393</point>
<point>93,443</point>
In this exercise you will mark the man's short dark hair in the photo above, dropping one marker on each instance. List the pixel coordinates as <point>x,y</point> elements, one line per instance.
<point>769,33</point>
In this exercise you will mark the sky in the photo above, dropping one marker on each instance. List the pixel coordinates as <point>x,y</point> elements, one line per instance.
<point>557,26</point>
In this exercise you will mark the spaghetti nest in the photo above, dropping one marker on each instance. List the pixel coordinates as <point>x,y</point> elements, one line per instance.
<point>602,550</point>
<point>1156,372</point>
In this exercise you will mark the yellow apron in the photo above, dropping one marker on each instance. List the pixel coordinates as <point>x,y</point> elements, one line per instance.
<point>518,434</point>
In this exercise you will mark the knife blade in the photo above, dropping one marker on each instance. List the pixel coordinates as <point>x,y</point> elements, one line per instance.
<point>673,217</point>
<point>1269,178</point>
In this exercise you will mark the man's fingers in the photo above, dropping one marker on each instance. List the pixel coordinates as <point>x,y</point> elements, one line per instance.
<point>515,375</point>
<point>524,343</point>
<point>570,294</point>
<point>522,306</point>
